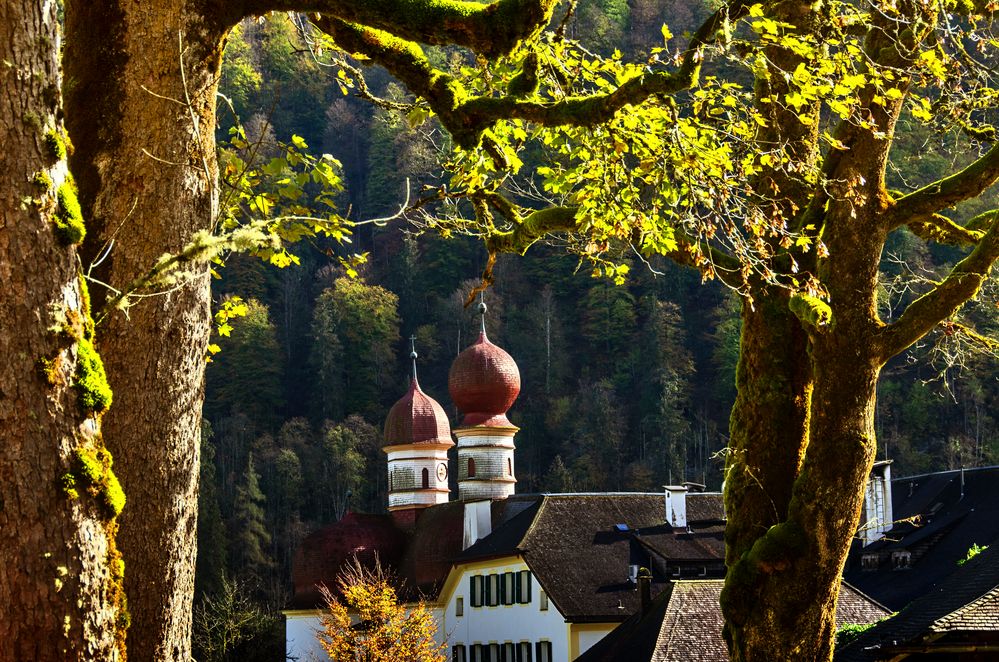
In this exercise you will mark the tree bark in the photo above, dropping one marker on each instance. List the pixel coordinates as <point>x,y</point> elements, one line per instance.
<point>60,576</point>
<point>141,108</point>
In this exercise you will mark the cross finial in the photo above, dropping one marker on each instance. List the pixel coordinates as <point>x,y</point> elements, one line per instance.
<point>412,354</point>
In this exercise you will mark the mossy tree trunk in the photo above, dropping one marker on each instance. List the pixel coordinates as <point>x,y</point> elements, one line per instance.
<point>141,108</point>
<point>60,572</point>
<point>142,112</point>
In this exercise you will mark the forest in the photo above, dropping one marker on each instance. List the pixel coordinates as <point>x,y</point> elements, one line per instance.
<point>747,245</point>
<point>626,387</point>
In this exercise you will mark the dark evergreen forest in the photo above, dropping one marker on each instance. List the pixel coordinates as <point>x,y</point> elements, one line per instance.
<point>625,387</point>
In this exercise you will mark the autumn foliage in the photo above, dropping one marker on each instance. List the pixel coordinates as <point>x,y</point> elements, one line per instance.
<point>364,621</point>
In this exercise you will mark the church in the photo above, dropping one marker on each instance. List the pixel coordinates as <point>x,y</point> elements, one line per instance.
<point>508,577</point>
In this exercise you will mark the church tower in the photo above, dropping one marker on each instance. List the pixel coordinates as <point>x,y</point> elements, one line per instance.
<point>484,382</point>
<point>417,438</point>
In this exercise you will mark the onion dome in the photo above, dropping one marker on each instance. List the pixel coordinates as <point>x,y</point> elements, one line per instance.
<point>484,382</point>
<point>417,419</point>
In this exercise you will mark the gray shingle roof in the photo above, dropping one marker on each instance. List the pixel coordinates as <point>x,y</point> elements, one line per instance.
<point>684,624</point>
<point>967,601</point>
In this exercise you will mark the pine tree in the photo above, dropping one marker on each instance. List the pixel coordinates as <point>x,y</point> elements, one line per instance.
<point>249,535</point>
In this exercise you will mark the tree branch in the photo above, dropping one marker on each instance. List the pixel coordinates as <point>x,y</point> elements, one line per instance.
<point>963,283</point>
<point>919,206</point>
<point>467,118</point>
<point>529,229</point>
<point>489,29</point>
<point>942,230</point>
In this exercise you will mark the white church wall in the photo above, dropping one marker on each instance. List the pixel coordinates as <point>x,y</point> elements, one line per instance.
<point>501,623</point>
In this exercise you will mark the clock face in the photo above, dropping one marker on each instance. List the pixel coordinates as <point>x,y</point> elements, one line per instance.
<point>442,471</point>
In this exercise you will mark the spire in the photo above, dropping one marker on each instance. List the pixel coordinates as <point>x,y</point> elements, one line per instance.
<point>412,353</point>
<point>482,308</point>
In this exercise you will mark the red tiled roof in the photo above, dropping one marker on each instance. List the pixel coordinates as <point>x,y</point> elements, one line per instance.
<point>417,419</point>
<point>322,555</point>
<point>483,382</point>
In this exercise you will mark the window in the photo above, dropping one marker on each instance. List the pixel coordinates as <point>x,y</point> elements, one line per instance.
<point>459,653</point>
<point>492,590</point>
<point>509,588</point>
<point>471,467</point>
<point>524,651</point>
<point>426,478</point>
<point>509,466</point>
<point>475,590</point>
<point>508,652</point>
<point>544,651</point>
<point>901,560</point>
<point>459,607</point>
<point>543,599</point>
<point>478,654</point>
<point>524,587</point>
<point>494,653</point>
<point>869,562</point>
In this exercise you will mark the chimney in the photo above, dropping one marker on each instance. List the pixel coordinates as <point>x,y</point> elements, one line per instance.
<point>877,503</point>
<point>676,506</point>
<point>478,522</point>
<point>644,589</point>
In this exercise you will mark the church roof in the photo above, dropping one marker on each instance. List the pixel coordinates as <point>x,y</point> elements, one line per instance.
<point>323,554</point>
<point>579,546</point>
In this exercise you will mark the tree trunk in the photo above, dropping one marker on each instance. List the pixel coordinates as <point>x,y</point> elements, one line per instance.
<point>773,382</point>
<point>780,596</point>
<point>142,112</point>
<point>60,576</point>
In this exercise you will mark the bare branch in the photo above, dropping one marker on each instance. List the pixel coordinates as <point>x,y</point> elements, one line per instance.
<point>920,206</point>
<point>963,283</point>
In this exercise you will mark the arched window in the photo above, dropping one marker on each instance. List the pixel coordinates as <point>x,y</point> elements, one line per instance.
<point>509,466</point>
<point>471,468</point>
<point>426,478</point>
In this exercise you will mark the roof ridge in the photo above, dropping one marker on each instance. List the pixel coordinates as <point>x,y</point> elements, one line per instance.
<point>942,622</point>
<point>671,615</point>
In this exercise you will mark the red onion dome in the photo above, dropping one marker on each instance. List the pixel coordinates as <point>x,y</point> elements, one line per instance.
<point>417,419</point>
<point>484,381</point>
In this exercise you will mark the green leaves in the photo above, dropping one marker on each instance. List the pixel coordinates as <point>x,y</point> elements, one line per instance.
<point>281,195</point>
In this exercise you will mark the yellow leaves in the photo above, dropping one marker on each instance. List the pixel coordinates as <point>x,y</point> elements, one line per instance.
<point>921,109</point>
<point>385,630</point>
<point>933,63</point>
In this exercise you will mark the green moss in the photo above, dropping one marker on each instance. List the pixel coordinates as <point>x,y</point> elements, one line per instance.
<point>49,369</point>
<point>811,310</point>
<point>777,547</point>
<point>68,217</point>
<point>88,321</point>
<point>91,471</point>
<point>67,483</point>
<point>55,143</point>
<point>93,391</point>
<point>526,82</point>
<point>42,180</point>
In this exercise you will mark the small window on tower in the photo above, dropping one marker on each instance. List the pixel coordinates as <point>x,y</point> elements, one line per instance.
<point>426,478</point>
<point>509,466</point>
<point>471,467</point>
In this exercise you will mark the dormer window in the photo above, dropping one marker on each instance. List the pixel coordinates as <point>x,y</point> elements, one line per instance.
<point>869,562</point>
<point>901,560</point>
